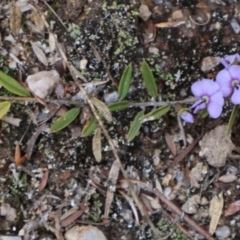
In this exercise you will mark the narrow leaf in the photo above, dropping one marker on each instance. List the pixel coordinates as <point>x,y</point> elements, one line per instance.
<point>12,85</point>
<point>149,80</point>
<point>102,108</point>
<point>155,114</point>
<point>118,106</point>
<point>65,120</point>
<point>89,127</point>
<point>125,82</point>
<point>4,108</point>
<point>97,145</point>
<point>135,126</point>
<point>232,119</point>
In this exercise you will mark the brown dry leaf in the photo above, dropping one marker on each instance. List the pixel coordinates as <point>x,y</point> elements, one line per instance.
<point>97,145</point>
<point>169,24</point>
<point>17,155</point>
<point>102,108</point>
<point>112,180</point>
<point>232,208</point>
<point>15,20</point>
<point>170,143</point>
<point>215,211</point>
<point>37,19</point>
<point>21,160</point>
<point>69,220</point>
<point>39,53</point>
<point>43,183</point>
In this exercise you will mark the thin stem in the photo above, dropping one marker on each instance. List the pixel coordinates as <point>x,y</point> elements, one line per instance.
<point>80,104</point>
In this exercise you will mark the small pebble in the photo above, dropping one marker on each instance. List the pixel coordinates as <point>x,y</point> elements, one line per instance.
<point>167,191</point>
<point>235,26</point>
<point>223,232</point>
<point>144,12</point>
<point>111,97</point>
<point>83,64</point>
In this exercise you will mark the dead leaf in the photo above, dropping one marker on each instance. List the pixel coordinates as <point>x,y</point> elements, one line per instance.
<point>170,143</point>
<point>97,145</point>
<point>15,20</point>
<point>51,41</point>
<point>215,211</point>
<point>232,208</point>
<point>14,121</point>
<point>112,180</point>
<point>69,220</point>
<point>37,19</point>
<point>43,183</point>
<point>169,24</point>
<point>102,108</point>
<point>17,152</point>
<point>39,53</point>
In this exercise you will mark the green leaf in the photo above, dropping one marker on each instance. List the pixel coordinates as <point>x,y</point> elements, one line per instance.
<point>203,113</point>
<point>12,85</point>
<point>155,114</point>
<point>118,106</point>
<point>149,80</point>
<point>232,119</point>
<point>135,126</point>
<point>4,108</point>
<point>89,127</point>
<point>65,120</point>
<point>125,82</point>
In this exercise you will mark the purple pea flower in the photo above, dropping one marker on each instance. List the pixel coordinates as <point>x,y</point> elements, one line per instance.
<point>228,60</point>
<point>186,116</point>
<point>229,82</point>
<point>210,97</point>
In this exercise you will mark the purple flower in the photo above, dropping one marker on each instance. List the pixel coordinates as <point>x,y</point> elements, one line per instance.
<point>229,82</point>
<point>186,116</point>
<point>228,60</point>
<point>210,97</point>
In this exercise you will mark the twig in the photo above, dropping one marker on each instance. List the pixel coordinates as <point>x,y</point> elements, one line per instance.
<point>175,209</point>
<point>80,104</point>
<point>184,153</point>
<point>55,14</point>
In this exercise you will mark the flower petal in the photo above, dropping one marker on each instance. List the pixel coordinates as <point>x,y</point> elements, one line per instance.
<point>204,87</point>
<point>187,117</point>
<point>224,79</point>
<point>236,96</point>
<point>199,107</point>
<point>234,71</point>
<point>215,105</point>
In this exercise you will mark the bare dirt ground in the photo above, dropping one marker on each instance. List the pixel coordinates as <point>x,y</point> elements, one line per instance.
<point>61,185</point>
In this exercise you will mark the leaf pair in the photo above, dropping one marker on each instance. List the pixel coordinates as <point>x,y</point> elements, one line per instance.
<point>148,79</point>
<point>140,118</point>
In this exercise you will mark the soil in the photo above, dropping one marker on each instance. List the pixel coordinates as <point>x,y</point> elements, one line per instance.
<point>176,56</point>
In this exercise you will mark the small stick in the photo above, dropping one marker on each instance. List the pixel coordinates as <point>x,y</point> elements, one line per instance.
<point>80,104</point>
<point>186,218</point>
